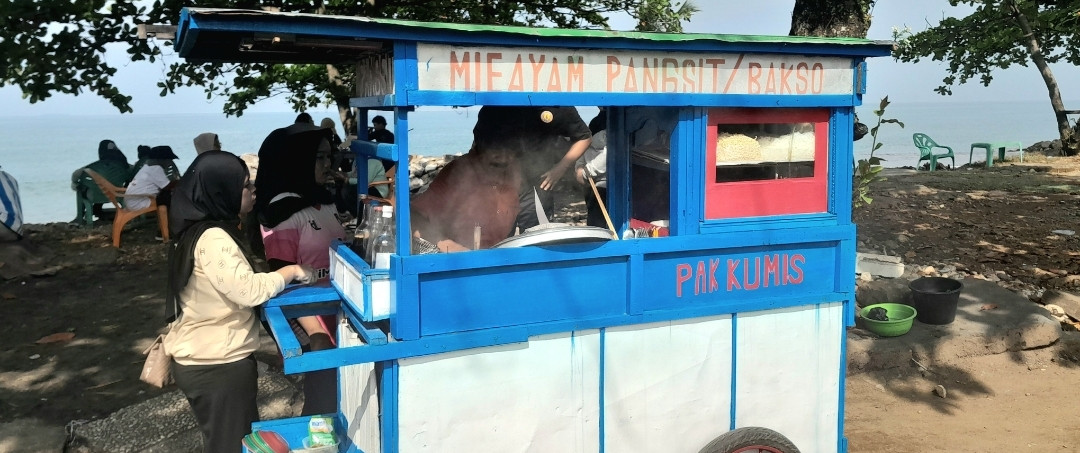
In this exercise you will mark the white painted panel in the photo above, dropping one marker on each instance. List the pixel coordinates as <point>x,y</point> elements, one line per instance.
<point>380,299</point>
<point>788,373</point>
<point>541,396</point>
<point>359,397</point>
<point>667,386</point>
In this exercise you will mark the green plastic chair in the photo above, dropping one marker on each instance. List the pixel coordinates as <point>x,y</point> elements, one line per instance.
<point>87,193</point>
<point>926,147</point>
<point>86,196</point>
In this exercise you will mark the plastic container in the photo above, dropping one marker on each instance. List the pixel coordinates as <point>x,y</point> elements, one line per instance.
<point>320,449</point>
<point>900,319</point>
<point>936,299</point>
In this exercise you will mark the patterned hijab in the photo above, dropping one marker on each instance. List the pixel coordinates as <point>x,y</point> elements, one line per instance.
<point>207,196</point>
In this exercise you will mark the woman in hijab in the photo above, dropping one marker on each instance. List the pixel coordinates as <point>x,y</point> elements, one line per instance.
<point>299,221</point>
<point>112,164</point>
<point>110,161</point>
<point>156,177</point>
<point>207,141</point>
<point>212,290</point>
<point>335,139</point>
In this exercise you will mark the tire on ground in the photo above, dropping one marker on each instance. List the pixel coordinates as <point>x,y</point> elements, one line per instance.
<point>748,439</point>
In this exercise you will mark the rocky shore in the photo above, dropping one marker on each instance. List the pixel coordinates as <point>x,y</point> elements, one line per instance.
<point>422,169</point>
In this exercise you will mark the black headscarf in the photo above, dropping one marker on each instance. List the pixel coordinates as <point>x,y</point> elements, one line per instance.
<point>161,156</point>
<point>287,164</point>
<point>107,150</point>
<point>161,152</point>
<point>207,196</point>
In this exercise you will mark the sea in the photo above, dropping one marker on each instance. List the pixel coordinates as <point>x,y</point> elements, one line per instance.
<point>41,152</point>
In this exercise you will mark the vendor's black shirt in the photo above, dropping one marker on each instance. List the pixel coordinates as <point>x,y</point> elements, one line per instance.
<point>539,144</point>
<point>381,136</point>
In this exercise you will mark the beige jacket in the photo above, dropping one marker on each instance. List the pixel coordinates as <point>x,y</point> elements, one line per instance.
<point>217,324</point>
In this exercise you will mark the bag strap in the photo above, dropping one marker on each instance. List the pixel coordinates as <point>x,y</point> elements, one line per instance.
<point>157,343</point>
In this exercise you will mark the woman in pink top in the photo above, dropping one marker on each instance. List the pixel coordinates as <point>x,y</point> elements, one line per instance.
<point>299,220</point>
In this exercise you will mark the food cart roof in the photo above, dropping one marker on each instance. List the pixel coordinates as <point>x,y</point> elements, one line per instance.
<point>231,35</point>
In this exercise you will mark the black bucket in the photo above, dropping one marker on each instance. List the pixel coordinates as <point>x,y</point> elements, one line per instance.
<point>935,299</point>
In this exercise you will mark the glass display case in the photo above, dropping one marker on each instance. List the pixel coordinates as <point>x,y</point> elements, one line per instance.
<point>766,162</point>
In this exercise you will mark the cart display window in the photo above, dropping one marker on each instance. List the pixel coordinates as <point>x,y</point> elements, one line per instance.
<point>649,138</point>
<point>766,162</point>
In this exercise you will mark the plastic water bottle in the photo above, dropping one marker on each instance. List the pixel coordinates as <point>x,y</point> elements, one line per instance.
<point>363,231</point>
<point>373,231</point>
<point>383,245</point>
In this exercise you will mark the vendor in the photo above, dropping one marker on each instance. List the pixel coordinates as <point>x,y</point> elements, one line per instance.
<point>547,142</point>
<point>471,204</point>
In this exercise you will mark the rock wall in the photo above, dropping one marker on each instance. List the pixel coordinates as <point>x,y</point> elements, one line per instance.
<point>422,169</point>
<point>1047,148</point>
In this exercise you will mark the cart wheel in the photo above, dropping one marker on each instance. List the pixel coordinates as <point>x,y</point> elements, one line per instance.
<point>750,440</point>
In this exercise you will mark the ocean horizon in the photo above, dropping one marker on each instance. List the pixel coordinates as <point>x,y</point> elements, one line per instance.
<point>41,152</point>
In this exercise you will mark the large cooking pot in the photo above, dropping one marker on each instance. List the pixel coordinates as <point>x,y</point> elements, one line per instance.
<point>556,233</point>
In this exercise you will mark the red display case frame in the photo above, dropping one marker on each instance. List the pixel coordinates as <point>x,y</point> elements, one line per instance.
<point>769,197</point>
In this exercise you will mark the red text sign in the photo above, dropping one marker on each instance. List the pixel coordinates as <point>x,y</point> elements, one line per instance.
<point>739,274</point>
<point>508,69</point>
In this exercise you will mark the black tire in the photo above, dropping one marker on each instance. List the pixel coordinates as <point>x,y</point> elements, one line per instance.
<point>751,439</point>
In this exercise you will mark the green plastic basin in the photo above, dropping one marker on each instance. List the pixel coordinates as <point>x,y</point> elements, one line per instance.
<point>899,323</point>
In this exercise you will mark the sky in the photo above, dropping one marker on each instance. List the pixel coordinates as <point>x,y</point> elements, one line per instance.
<point>902,82</point>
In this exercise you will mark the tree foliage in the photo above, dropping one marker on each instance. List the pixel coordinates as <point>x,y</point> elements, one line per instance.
<point>989,39</point>
<point>662,16</point>
<point>58,46</point>
<point>831,18</point>
<point>998,35</point>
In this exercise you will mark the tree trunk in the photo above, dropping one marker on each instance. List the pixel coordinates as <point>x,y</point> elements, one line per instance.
<point>348,117</point>
<point>1069,145</point>
<point>831,18</point>
<point>346,113</point>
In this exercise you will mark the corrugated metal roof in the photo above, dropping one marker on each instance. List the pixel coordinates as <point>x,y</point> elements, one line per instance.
<point>230,22</point>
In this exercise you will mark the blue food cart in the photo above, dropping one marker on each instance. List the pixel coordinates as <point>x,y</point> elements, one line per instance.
<point>723,334</point>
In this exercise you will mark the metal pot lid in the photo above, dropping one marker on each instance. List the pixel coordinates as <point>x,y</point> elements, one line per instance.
<point>556,233</point>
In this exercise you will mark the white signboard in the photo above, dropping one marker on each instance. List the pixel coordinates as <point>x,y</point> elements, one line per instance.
<point>528,69</point>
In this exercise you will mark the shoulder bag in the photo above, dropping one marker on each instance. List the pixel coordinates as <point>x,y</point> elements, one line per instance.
<point>157,370</point>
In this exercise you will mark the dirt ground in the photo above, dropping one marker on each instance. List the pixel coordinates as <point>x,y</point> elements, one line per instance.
<point>997,224</point>
<point>73,335</point>
<point>996,403</point>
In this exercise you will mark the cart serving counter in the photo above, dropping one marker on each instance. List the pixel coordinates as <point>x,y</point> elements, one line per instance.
<point>725,332</point>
